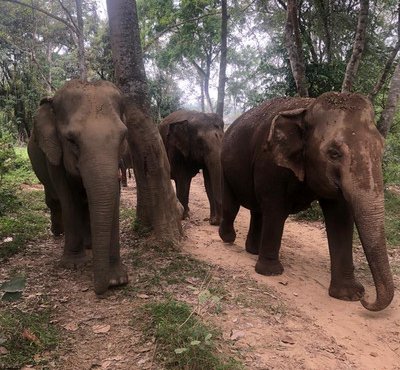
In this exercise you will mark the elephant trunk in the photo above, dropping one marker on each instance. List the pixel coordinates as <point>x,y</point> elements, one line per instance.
<point>369,220</point>
<point>100,178</point>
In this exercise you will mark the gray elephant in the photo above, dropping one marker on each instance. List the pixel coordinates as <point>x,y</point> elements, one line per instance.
<point>74,150</point>
<point>125,165</point>
<point>193,142</point>
<point>280,156</point>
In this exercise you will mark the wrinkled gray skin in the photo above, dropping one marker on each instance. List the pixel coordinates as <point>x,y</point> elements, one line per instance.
<point>193,142</point>
<point>74,151</point>
<point>280,156</point>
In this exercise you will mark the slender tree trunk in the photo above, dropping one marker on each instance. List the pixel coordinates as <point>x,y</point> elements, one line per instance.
<point>324,12</point>
<point>207,85</point>
<point>392,102</point>
<point>81,42</point>
<point>358,48</point>
<point>377,88</point>
<point>294,48</point>
<point>157,205</point>
<point>222,63</point>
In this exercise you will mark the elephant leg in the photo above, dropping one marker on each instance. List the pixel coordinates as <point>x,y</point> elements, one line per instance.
<point>118,271</point>
<point>54,205</point>
<point>182,192</point>
<point>273,221</point>
<point>339,226</point>
<point>211,199</point>
<point>254,235</point>
<point>230,208</point>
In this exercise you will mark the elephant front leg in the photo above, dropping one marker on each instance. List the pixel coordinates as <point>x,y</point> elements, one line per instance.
<point>339,227</point>
<point>273,221</point>
<point>253,239</point>
<point>215,217</point>
<point>182,192</point>
<point>230,208</point>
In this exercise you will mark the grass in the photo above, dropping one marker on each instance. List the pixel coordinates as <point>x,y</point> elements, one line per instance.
<point>27,337</point>
<point>183,340</point>
<point>22,212</point>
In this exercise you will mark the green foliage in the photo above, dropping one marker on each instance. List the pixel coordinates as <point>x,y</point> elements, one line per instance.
<point>22,212</point>
<point>313,213</point>
<point>183,340</point>
<point>25,336</point>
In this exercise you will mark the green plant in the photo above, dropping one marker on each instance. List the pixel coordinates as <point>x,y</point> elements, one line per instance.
<point>25,336</point>
<point>313,213</point>
<point>183,340</point>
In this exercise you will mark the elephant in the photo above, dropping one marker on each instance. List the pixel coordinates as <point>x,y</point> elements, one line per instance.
<point>280,156</point>
<point>125,164</point>
<point>76,142</point>
<point>193,142</point>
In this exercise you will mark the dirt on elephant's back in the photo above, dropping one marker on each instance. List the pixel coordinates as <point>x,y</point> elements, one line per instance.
<point>282,322</point>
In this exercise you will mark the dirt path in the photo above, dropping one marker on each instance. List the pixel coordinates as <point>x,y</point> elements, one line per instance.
<point>285,322</point>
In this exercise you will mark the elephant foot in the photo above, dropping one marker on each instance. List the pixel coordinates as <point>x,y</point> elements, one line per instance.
<point>74,261</point>
<point>214,220</point>
<point>118,275</point>
<point>349,290</point>
<point>57,229</point>
<point>227,233</point>
<point>185,214</point>
<point>269,267</point>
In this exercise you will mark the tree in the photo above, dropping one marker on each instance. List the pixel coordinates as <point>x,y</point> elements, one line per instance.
<point>157,206</point>
<point>222,63</point>
<point>294,48</point>
<point>358,47</point>
<point>392,102</point>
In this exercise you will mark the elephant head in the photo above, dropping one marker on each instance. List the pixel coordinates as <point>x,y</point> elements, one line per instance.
<point>80,130</point>
<point>334,147</point>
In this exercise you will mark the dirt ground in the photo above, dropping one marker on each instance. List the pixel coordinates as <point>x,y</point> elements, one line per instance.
<point>283,322</point>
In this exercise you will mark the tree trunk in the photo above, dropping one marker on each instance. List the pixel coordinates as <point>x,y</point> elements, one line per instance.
<point>81,42</point>
<point>157,205</point>
<point>222,63</point>
<point>389,62</point>
<point>294,48</point>
<point>392,101</point>
<point>323,11</point>
<point>358,47</point>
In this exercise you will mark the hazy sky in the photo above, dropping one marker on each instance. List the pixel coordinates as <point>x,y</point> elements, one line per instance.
<point>102,8</point>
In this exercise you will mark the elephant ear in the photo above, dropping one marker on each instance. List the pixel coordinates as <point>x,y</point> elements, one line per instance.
<point>178,137</point>
<point>286,140</point>
<point>45,132</point>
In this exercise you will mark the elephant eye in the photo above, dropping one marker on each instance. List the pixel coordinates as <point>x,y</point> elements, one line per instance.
<point>334,153</point>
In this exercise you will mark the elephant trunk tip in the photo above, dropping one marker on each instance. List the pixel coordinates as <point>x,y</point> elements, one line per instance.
<point>383,299</point>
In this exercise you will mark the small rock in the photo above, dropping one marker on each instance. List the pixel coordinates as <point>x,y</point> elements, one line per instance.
<point>295,294</point>
<point>143,296</point>
<point>8,239</point>
<point>373,354</point>
<point>102,328</point>
<point>283,282</point>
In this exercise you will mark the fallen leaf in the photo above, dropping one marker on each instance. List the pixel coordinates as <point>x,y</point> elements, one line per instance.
<point>3,351</point>
<point>283,283</point>
<point>102,328</point>
<point>31,337</point>
<point>143,296</point>
<point>237,334</point>
<point>71,326</point>
<point>288,340</point>
<point>373,354</point>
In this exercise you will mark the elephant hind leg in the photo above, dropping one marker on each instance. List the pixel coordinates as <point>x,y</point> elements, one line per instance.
<point>254,235</point>
<point>230,208</point>
<point>182,183</point>
<point>214,217</point>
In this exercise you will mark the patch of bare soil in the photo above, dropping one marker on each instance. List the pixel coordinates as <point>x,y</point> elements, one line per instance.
<point>283,322</point>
